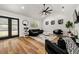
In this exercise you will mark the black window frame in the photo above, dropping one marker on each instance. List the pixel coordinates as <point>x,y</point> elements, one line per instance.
<point>10,27</point>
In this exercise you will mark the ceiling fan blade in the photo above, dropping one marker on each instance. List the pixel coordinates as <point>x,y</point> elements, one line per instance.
<point>47,8</point>
<point>50,10</point>
<point>46,11</point>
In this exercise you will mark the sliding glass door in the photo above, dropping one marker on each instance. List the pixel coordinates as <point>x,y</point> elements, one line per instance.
<point>9,27</point>
<point>3,27</point>
<point>14,27</point>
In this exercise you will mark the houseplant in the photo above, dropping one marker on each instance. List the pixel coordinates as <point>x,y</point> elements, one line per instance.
<point>69,25</point>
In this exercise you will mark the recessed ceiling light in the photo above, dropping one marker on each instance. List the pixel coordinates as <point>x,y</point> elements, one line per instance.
<point>22,7</point>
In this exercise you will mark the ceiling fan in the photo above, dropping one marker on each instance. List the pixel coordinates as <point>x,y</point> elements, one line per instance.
<point>46,10</point>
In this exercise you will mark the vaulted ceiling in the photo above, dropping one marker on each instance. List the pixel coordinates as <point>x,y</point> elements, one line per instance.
<point>34,10</point>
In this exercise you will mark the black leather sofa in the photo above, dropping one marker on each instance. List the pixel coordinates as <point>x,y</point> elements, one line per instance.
<point>35,32</point>
<point>52,48</point>
<point>58,31</point>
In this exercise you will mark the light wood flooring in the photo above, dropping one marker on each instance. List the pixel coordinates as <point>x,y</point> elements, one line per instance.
<point>21,45</point>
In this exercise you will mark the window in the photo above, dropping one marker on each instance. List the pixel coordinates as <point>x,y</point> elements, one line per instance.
<point>3,27</point>
<point>9,27</point>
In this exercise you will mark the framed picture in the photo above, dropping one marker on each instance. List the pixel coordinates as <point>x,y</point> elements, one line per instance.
<point>60,21</point>
<point>52,22</point>
<point>34,24</point>
<point>47,22</point>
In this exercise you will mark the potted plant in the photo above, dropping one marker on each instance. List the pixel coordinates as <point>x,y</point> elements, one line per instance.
<point>69,25</point>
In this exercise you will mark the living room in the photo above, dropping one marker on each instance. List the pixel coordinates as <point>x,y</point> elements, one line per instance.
<point>24,28</point>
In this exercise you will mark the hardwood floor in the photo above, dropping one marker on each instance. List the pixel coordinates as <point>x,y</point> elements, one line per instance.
<point>21,45</point>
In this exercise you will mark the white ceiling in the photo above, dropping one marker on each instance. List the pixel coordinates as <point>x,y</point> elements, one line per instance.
<point>34,10</point>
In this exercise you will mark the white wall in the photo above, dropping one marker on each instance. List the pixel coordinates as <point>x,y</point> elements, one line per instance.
<point>49,28</point>
<point>21,18</point>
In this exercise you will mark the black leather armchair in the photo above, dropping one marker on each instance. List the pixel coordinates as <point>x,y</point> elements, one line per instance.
<point>52,48</point>
<point>35,32</point>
